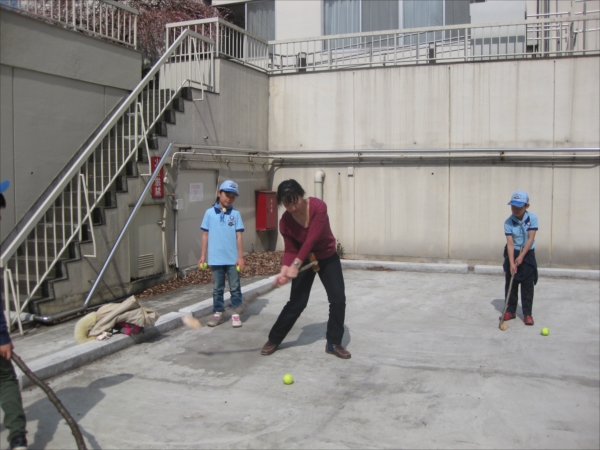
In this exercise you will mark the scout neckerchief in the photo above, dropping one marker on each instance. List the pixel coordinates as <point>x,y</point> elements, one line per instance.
<point>222,210</point>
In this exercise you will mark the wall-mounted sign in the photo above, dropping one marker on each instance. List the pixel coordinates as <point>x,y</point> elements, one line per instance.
<point>158,187</point>
<point>196,192</point>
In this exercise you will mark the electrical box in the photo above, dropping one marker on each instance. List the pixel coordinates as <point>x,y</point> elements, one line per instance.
<point>266,210</point>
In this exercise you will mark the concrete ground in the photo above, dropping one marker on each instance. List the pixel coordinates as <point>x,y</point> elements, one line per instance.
<point>40,340</point>
<point>429,369</point>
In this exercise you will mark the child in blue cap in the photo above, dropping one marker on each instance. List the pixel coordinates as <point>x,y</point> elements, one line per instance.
<point>222,237</point>
<point>10,396</point>
<point>519,256</point>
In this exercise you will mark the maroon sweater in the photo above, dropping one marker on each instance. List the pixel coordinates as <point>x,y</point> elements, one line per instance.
<point>300,242</point>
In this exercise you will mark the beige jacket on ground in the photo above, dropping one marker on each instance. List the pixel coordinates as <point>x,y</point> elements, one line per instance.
<point>130,311</point>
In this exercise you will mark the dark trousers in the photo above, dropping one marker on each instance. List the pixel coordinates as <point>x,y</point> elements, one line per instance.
<point>332,278</point>
<point>526,294</point>
<point>10,401</point>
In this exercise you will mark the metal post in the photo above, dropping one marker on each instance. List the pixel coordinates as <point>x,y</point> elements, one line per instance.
<point>135,32</point>
<point>584,25</point>
<point>217,39</point>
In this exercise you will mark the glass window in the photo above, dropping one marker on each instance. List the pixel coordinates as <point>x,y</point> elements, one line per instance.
<point>380,15</point>
<point>341,17</point>
<point>423,13</point>
<point>260,18</point>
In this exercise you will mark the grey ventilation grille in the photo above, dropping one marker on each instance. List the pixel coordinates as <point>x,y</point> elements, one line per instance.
<point>145,261</point>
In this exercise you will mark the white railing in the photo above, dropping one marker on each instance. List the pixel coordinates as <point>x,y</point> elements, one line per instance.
<point>231,42</point>
<point>545,37</point>
<point>106,19</point>
<point>42,238</point>
<point>548,37</point>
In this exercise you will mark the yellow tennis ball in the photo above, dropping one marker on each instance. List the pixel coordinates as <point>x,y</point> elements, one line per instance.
<point>288,379</point>
<point>238,268</point>
<point>203,266</point>
<point>545,331</point>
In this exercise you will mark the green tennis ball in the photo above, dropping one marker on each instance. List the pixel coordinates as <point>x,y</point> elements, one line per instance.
<point>288,379</point>
<point>203,266</point>
<point>545,331</point>
<point>238,268</point>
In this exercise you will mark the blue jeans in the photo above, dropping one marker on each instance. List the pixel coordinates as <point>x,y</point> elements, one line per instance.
<point>234,287</point>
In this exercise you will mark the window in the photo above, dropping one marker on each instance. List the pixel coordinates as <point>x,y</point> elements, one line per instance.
<point>341,16</point>
<point>355,16</point>
<point>423,13</point>
<point>260,18</point>
<point>380,15</point>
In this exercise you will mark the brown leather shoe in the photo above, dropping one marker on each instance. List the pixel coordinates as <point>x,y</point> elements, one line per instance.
<point>269,348</point>
<point>528,320</point>
<point>337,350</point>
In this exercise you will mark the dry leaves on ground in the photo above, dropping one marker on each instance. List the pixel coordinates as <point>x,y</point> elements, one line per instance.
<point>257,264</point>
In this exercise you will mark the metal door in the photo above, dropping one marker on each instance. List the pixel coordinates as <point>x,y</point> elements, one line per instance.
<point>196,192</point>
<point>146,242</point>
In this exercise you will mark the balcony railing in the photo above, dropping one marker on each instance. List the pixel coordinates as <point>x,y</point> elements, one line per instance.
<point>105,19</point>
<point>548,37</point>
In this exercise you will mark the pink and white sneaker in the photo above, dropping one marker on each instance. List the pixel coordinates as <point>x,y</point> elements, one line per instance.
<point>236,322</point>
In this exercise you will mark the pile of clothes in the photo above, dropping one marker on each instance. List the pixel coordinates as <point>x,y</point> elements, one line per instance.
<point>128,317</point>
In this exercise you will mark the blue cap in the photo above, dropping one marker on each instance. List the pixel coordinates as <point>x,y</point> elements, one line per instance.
<point>229,186</point>
<point>4,186</point>
<point>519,199</point>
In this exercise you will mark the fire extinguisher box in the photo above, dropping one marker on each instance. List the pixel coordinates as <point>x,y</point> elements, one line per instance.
<point>266,210</point>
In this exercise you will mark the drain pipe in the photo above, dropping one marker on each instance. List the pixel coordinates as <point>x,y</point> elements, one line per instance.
<point>319,177</point>
<point>176,217</point>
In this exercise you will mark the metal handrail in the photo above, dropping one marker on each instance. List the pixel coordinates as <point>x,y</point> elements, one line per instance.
<point>60,209</point>
<point>231,41</point>
<point>548,36</point>
<point>138,204</point>
<point>551,37</point>
<point>106,19</point>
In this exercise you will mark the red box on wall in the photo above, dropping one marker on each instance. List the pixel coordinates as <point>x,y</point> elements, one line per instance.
<point>266,210</point>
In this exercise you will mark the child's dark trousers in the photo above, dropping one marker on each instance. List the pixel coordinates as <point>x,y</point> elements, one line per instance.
<point>526,294</point>
<point>526,276</point>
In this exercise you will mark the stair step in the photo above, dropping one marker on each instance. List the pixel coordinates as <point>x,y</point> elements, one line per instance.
<point>22,299</point>
<point>23,264</point>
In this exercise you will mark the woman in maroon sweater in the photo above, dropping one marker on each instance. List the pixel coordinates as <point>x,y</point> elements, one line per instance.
<point>305,229</point>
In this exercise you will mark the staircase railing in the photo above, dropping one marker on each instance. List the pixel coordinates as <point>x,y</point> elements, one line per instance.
<point>231,42</point>
<point>33,248</point>
<point>105,19</point>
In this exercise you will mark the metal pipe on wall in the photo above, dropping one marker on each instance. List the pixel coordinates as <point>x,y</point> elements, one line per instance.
<point>319,178</point>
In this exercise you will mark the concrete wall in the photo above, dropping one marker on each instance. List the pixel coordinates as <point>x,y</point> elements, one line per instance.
<point>527,103</point>
<point>448,211</point>
<point>296,19</point>
<point>237,117</point>
<point>56,87</point>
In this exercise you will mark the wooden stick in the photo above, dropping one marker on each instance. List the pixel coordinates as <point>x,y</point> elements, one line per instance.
<point>54,399</point>
<point>502,325</point>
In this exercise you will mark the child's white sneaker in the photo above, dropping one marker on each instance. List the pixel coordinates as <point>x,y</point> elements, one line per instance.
<point>217,319</point>
<point>236,322</point>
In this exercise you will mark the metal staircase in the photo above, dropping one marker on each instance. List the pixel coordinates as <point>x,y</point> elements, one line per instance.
<point>34,255</point>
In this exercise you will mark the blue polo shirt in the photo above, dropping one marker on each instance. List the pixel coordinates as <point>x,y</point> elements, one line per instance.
<point>222,228</point>
<point>519,229</point>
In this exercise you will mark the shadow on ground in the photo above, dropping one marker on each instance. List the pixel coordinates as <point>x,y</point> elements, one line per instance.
<point>77,400</point>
